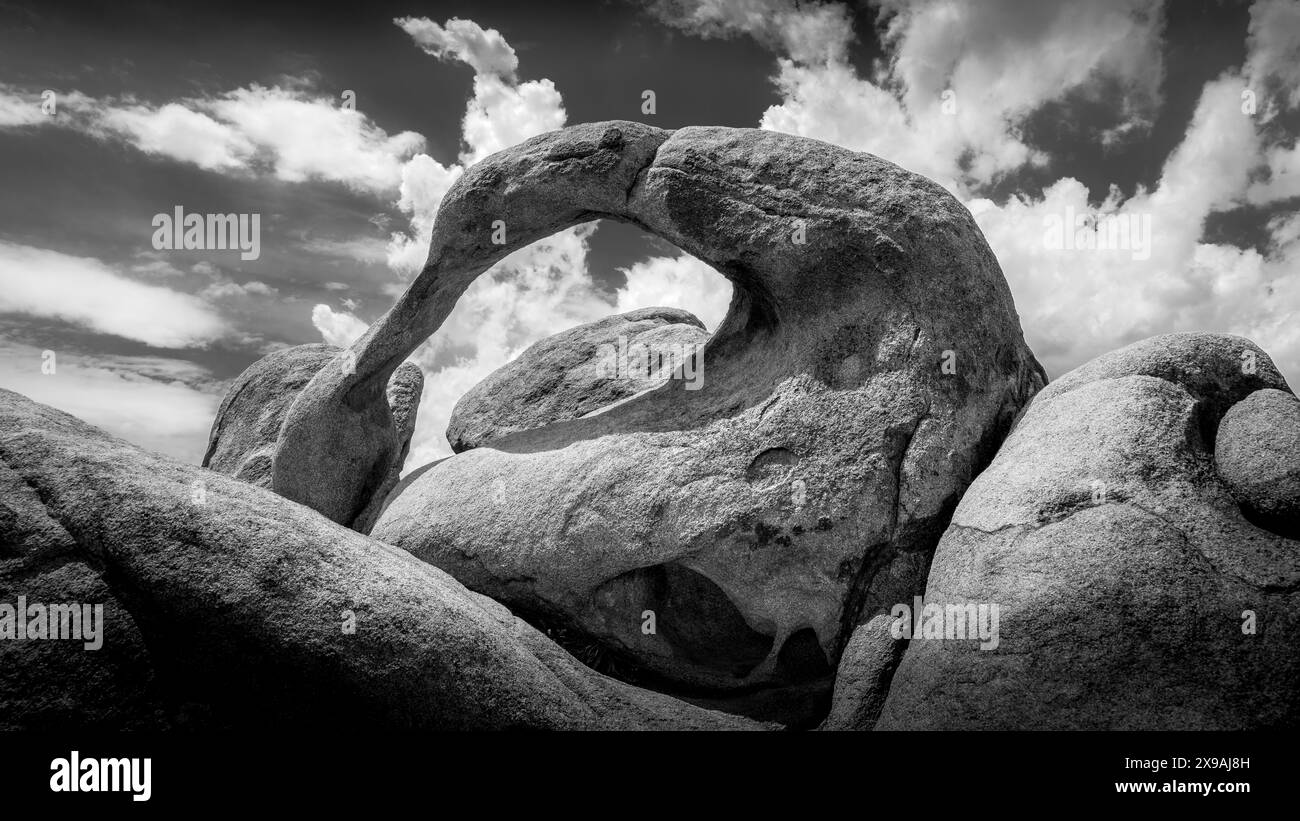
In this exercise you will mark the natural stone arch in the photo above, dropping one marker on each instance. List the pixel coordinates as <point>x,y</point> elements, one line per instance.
<point>854,281</point>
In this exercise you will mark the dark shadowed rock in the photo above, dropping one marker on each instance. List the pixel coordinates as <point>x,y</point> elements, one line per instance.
<point>1132,592</point>
<point>244,436</point>
<point>244,599</point>
<point>869,366</point>
<point>61,684</point>
<point>572,374</point>
<point>1258,455</point>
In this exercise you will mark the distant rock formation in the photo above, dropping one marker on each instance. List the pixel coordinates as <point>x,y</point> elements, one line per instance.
<point>574,373</point>
<point>1133,592</point>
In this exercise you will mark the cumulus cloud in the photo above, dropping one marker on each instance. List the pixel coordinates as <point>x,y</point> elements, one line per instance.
<point>960,80</point>
<point>43,283</point>
<point>1076,304</point>
<point>484,50</point>
<point>681,282</point>
<point>337,327</point>
<point>1274,44</point>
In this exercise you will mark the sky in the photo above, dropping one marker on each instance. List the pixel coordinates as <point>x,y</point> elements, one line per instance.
<point>340,128</point>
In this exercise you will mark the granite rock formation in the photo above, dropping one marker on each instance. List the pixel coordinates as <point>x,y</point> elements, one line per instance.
<point>1133,591</point>
<point>724,539</point>
<point>230,607</point>
<point>244,433</point>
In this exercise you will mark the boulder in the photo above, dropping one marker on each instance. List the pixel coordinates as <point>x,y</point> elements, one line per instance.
<point>725,539</point>
<point>1258,455</point>
<point>1132,593</point>
<point>242,609</point>
<point>574,373</point>
<point>248,423</point>
<point>106,681</point>
<point>862,679</point>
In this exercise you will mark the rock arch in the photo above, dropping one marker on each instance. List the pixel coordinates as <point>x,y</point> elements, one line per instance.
<point>853,279</point>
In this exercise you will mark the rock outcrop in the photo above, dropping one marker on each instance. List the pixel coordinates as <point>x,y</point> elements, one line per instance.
<point>1132,591</point>
<point>248,423</point>
<point>575,373</point>
<point>228,606</point>
<point>724,539</point>
<point>1258,455</point>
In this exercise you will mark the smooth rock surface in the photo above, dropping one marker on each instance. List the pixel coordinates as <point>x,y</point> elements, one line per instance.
<point>570,374</point>
<point>1132,592</point>
<point>727,538</point>
<point>1258,455</point>
<point>242,599</point>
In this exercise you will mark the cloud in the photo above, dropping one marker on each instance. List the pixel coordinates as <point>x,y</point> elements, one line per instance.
<point>425,181</point>
<point>226,289</point>
<point>1274,44</point>
<point>178,133</point>
<point>679,282</point>
<point>290,131</point>
<point>1076,304</point>
<point>807,33</point>
<point>960,79</point>
<point>85,291</point>
<point>164,405</point>
<point>308,137</point>
<point>486,51</point>
<point>337,328</point>
<point>501,115</point>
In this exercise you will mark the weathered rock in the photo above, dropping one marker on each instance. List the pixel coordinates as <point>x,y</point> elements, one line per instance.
<point>247,427</point>
<point>862,679</point>
<point>61,684</point>
<point>572,374</point>
<point>1132,592</point>
<point>869,366</point>
<point>243,600</point>
<point>1258,455</point>
<point>404,390</point>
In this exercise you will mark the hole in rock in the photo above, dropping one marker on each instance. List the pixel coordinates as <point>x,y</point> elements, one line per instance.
<point>801,657</point>
<point>694,616</point>
<point>577,276</point>
<point>1288,527</point>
